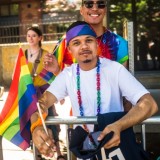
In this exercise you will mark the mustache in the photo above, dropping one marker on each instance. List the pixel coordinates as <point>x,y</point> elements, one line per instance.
<point>87,61</point>
<point>86,52</point>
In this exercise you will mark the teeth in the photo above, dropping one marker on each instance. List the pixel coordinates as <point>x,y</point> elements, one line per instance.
<point>94,15</point>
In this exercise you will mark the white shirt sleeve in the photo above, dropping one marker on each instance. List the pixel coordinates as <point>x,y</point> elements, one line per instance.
<point>58,87</point>
<point>134,89</point>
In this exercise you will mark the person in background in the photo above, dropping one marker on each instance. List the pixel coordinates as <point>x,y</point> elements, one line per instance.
<point>95,86</point>
<point>111,45</point>
<point>34,55</point>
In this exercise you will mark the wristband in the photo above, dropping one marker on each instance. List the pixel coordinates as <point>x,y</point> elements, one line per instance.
<point>38,122</point>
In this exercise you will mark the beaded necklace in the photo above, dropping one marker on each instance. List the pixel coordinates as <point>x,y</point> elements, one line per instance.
<point>98,97</point>
<point>98,89</point>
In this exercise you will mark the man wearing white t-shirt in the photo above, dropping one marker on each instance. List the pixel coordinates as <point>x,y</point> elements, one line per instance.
<point>95,85</point>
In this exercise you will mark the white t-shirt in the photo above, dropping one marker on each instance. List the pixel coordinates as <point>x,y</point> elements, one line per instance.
<point>115,82</point>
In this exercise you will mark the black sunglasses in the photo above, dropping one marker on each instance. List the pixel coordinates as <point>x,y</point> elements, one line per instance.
<point>100,4</point>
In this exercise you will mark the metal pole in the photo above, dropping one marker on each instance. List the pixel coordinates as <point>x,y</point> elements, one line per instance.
<point>89,120</point>
<point>131,47</point>
<point>143,130</point>
<point>34,152</point>
<point>93,120</point>
<point>152,120</point>
<point>67,142</point>
<point>71,120</point>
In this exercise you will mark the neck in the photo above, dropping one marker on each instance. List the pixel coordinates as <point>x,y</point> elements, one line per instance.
<point>34,48</point>
<point>89,65</point>
<point>99,29</point>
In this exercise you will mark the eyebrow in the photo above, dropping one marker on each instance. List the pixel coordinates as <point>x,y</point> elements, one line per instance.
<point>85,37</point>
<point>76,40</point>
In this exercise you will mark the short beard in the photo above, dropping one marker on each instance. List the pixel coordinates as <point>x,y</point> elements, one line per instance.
<point>87,61</point>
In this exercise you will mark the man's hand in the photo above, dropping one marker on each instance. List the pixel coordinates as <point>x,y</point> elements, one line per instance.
<point>145,107</point>
<point>115,140</point>
<point>51,64</point>
<point>43,142</point>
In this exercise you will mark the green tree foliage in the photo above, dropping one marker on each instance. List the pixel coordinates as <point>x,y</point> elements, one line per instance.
<point>144,13</point>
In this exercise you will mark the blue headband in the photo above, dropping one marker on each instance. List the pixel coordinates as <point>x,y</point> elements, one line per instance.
<point>79,30</point>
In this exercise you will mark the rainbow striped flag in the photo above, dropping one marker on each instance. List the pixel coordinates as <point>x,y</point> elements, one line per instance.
<point>62,54</point>
<point>19,106</point>
<point>60,50</point>
<point>47,76</point>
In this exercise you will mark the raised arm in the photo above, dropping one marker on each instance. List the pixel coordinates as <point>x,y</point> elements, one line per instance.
<point>51,64</point>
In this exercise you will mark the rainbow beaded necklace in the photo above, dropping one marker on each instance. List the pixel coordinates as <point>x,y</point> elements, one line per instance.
<point>98,97</point>
<point>98,89</point>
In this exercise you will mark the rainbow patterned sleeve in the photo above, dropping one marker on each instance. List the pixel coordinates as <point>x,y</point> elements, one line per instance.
<point>113,46</point>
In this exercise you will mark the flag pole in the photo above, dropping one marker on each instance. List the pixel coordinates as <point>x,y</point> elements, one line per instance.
<point>20,45</point>
<point>43,123</point>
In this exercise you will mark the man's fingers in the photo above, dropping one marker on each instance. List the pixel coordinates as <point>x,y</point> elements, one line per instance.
<point>46,148</point>
<point>103,134</point>
<point>113,142</point>
<point>50,134</point>
<point>43,142</point>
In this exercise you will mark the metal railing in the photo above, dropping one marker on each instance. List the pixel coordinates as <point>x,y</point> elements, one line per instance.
<point>17,32</point>
<point>93,120</point>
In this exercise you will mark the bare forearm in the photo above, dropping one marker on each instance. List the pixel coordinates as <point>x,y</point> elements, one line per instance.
<point>47,100</point>
<point>144,109</point>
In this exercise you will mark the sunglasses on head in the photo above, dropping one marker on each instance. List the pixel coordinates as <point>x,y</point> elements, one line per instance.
<point>89,4</point>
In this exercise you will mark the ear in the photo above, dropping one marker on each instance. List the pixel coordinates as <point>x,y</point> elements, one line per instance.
<point>40,38</point>
<point>81,11</point>
<point>68,48</point>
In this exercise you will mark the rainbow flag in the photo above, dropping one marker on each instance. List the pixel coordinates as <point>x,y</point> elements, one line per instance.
<point>47,76</point>
<point>60,50</point>
<point>62,54</point>
<point>20,104</point>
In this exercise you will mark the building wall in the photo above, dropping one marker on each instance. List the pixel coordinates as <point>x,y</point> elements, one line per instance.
<point>29,13</point>
<point>8,55</point>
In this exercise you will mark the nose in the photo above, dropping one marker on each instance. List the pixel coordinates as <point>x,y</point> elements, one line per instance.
<point>84,45</point>
<point>95,7</point>
<point>30,37</point>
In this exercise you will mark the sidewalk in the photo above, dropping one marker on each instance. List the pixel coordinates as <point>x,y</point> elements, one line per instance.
<point>9,151</point>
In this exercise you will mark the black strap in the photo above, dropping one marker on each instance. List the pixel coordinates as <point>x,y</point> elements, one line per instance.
<point>35,65</point>
<point>26,54</point>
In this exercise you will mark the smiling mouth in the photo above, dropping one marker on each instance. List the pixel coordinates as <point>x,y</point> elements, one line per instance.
<point>94,15</point>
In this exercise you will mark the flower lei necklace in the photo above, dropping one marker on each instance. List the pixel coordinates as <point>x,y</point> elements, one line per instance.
<point>98,96</point>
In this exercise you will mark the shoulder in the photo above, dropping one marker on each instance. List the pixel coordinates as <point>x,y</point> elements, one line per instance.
<point>70,69</point>
<point>44,51</point>
<point>107,63</point>
<point>111,68</point>
<point>111,35</point>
